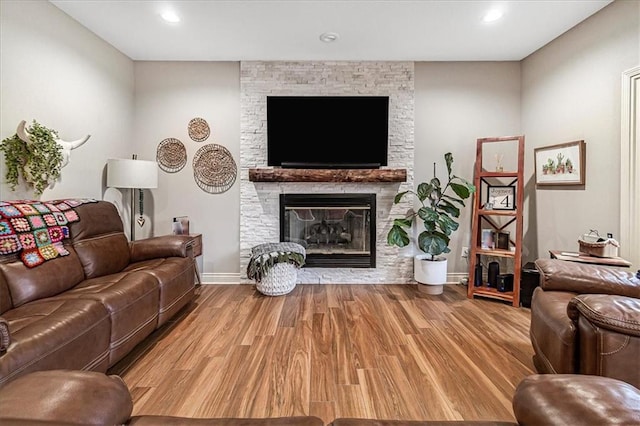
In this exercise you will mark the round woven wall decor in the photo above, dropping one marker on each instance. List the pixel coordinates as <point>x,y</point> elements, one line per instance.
<point>214,169</point>
<point>171,155</point>
<point>198,129</point>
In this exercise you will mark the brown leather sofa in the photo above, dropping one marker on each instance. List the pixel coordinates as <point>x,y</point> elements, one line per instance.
<point>92,398</point>
<point>87,310</point>
<point>586,319</point>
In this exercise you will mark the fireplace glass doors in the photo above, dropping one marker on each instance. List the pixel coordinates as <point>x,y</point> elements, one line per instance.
<point>337,230</point>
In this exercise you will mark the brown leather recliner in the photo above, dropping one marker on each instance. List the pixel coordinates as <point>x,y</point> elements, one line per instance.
<point>586,319</point>
<point>89,309</point>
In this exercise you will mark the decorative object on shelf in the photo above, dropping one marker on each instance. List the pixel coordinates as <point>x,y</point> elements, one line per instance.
<point>171,155</point>
<point>36,229</point>
<point>198,129</point>
<point>274,267</point>
<point>502,240</point>
<point>37,154</point>
<point>180,225</point>
<point>562,164</point>
<point>439,208</point>
<point>499,167</point>
<point>595,245</point>
<point>133,174</point>
<point>214,169</point>
<point>501,197</point>
<point>492,274</point>
<point>488,241</point>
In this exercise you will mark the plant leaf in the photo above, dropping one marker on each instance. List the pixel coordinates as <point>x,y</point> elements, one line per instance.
<point>448,158</point>
<point>397,236</point>
<point>399,196</point>
<point>449,208</point>
<point>457,200</point>
<point>433,242</point>
<point>461,191</point>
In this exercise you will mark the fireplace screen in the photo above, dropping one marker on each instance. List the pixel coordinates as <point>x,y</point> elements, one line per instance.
<point>337,230</point>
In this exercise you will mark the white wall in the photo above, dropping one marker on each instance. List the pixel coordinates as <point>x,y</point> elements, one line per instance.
<point>571,91</point>
<point>457,103</point>
<point>66,78</point>
<point>167,96</point>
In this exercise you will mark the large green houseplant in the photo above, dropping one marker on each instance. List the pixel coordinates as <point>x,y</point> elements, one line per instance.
<point>440,207</point>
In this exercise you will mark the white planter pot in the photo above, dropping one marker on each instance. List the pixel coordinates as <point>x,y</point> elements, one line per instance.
<point>432,274</point>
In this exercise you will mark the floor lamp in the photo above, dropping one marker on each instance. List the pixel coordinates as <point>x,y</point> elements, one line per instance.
<point>133,174</point>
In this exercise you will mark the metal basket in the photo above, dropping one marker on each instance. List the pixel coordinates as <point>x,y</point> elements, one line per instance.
<point>281,279</point>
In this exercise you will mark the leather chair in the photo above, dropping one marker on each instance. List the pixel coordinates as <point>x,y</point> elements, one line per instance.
<point>586,319</point>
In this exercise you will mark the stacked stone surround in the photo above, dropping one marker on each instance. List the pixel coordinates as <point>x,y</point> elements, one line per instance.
<point>259,201</point>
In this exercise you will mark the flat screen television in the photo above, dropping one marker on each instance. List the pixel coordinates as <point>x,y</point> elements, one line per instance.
<point>340,132</point>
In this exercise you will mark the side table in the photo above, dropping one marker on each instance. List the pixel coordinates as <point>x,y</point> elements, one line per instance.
<point>196,245</point>
<point>584,258</point>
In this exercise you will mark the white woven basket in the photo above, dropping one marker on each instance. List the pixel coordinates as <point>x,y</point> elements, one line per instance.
<point>280,279</point>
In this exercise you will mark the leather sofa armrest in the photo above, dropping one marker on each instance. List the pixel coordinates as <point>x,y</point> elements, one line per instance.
<point>575,399</point>
<point>616,313</point>
<point>584,278</point>
<point>5,336</point>
<point>67,397</point>
<point>163,246</point>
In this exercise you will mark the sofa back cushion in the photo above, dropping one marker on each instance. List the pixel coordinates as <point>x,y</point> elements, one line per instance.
<point>45,280</point>
<point>99,239</point>
<point>5,296</point>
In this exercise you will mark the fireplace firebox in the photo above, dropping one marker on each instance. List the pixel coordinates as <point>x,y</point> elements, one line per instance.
<point>337,230</point>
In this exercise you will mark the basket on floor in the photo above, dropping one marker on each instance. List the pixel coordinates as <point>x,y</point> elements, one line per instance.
<point>274,266</point>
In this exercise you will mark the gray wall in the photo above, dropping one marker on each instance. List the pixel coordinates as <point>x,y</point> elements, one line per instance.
<point>571,91</point>
<point>66,78</point>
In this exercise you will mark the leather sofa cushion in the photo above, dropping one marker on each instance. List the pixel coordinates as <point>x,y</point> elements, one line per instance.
<point>96,219</point>
<point>49,334</point>
<point>69,397</point>
<point>103,254</point>
<point>132,302</point>
<point>567,399</point>
<point>50,278</point>
<point>176,276</point>
<point>552,332</point>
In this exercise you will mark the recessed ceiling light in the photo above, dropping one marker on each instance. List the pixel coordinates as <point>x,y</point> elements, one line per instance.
<point>493,15</point>
<point>329,37</point>
<point>170,16</point>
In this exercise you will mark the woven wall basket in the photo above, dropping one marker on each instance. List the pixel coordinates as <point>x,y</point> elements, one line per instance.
<point>214,169</point>
<point>198,129</point>
<point>171,155</point>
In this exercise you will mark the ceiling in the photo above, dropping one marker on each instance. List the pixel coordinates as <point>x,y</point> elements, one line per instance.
<point>394,30</point>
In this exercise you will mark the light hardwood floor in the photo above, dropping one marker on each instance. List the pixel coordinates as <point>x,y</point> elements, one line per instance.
<point>373,351</point>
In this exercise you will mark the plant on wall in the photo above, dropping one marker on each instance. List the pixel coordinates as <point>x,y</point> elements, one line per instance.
<point>38,161</point>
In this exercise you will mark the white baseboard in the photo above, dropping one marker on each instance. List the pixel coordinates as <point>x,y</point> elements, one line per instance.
<point>221,278</point>
<point>234,278</point>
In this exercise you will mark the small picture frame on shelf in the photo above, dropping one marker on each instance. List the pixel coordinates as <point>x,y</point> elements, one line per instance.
<point>502,197</point>
<point>488,239</point>
<point>180,225</point>
<point>502,241</point>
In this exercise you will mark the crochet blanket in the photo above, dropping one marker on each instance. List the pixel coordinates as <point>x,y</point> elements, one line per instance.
<point>35,229</point>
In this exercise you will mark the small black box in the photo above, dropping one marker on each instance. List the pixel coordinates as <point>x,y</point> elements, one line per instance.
<point>529,280</point>
<point>504,282</point>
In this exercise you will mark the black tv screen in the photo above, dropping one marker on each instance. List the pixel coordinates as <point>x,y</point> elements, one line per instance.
<point>327,131</point>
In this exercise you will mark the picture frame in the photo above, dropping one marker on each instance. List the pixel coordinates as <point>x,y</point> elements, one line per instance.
<point>562,164</point>
<point>488,239</point>
<point>501,197</point>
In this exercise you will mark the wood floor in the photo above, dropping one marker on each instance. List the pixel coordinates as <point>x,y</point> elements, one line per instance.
<point>373,351</point>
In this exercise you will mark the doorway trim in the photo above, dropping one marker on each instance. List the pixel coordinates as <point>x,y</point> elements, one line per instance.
<point>629,165</point>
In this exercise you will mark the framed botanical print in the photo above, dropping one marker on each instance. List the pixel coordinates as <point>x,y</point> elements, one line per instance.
<point>562,164</point>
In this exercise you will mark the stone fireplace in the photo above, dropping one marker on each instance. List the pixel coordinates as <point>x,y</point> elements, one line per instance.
<point>260,208</point>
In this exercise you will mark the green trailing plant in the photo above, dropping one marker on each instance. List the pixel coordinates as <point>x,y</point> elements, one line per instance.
<point>38,162</point>
<point>440,206</point>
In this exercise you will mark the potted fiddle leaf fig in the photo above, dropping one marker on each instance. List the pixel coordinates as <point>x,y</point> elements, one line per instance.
<point>440,207</point>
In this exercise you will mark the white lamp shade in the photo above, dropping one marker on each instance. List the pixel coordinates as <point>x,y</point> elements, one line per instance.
<point>132,173</point>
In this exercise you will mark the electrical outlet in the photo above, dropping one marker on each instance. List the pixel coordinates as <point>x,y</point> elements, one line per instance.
<point>465,252</point>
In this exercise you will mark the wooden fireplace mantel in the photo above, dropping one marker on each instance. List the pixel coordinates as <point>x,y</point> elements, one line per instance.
<point>327,175</point>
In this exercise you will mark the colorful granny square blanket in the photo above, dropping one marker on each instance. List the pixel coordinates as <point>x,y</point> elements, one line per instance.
<point>35,229</point>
